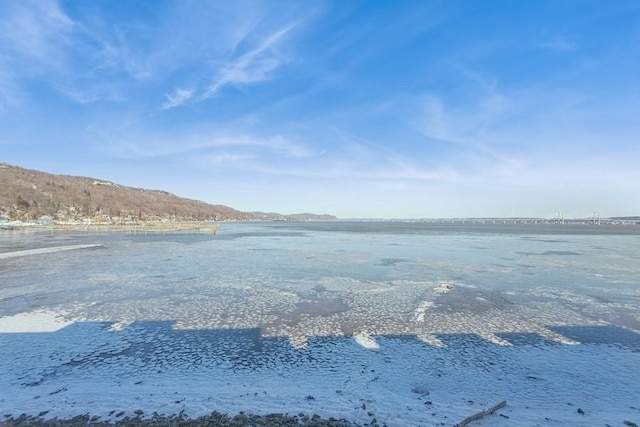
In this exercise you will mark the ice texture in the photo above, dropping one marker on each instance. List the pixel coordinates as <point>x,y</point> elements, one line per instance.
<point>409,326</point>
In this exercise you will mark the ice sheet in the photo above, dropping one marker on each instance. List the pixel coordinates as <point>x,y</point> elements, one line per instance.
<point>409,329</point>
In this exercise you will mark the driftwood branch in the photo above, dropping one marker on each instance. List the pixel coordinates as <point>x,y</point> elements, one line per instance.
<point>481,414</point>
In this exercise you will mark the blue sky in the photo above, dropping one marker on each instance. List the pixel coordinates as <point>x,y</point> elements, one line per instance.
<point>394,109</point>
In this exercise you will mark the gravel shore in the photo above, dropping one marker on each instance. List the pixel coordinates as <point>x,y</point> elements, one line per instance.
<point>214,419</point>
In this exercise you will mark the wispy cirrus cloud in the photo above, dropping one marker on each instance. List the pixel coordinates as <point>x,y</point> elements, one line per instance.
<point>470,127</point>
<point>136,142</point>
<point>350,169</point>
<point>250,67</point>
<point>34,36</point>
<point>35,30</point>
<point>41,43</point>
<point>533,137</point>
<point>228,158</point>
<point>79,96</point>
<point>177,98</point>
<point>8,92</point>
<point>189,52</point>
<point>556,44</point>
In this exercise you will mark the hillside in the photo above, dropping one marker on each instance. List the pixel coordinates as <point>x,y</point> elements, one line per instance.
<point>29,194</point>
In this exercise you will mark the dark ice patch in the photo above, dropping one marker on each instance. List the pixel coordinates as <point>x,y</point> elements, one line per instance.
<point>322,307</point>
<point>607,335</point>
<point>470,300</point>
<point>390,262</point>
<point>535,239</point>
<point>561,253</point>
<point>570,253</point>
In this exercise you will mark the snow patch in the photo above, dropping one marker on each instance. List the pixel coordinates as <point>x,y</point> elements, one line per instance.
<point>492,338</point>
<point>118,326</point>
<point>421,310</point>
<point>443,289</point>
<point>430,339</point>
<point>39,251</point>
<point>365,340</point>
<point>34,321</point>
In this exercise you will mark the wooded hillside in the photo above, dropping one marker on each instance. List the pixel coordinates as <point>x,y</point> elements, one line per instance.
<point>29,194</point>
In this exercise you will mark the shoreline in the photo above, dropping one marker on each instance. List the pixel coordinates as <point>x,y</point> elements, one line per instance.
<point>139,227</point>
<point>215,418</point>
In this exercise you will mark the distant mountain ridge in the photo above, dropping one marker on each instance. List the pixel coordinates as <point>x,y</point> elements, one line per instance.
<point>27,195</point>
<point>270,216</point>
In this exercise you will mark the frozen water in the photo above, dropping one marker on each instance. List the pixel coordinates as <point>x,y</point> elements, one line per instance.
<point>358,315</point>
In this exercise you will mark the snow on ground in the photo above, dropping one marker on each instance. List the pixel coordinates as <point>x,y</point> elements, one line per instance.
<point>35,321</point>
<point>398,380</point>
<point>13,254</point>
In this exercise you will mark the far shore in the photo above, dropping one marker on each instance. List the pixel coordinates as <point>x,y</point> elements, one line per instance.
<point>130,227</point>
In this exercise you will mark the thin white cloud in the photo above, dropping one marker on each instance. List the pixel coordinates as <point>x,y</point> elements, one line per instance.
<point>9,95</point>
<point>291,149</point>
<point>469,127</point>
<point>177,98</point>
<point>79,96</point>
<point>538,138</point>
<point>129,142</point>
<point>474,116</point>
<point>40,42</point>
<point>351,158</point>
<point>228,158</point>
<point>137,64</point>
<point>556,43</point>
<point>372,166</point>
<point>36,29</point>
<point>34,36</point>
<point>243,47</point>
<point>251,67</point>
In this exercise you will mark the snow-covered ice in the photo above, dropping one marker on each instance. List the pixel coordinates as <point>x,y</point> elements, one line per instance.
<point>5,255</point>
<point>35,321</point>
<point>408,326</point>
